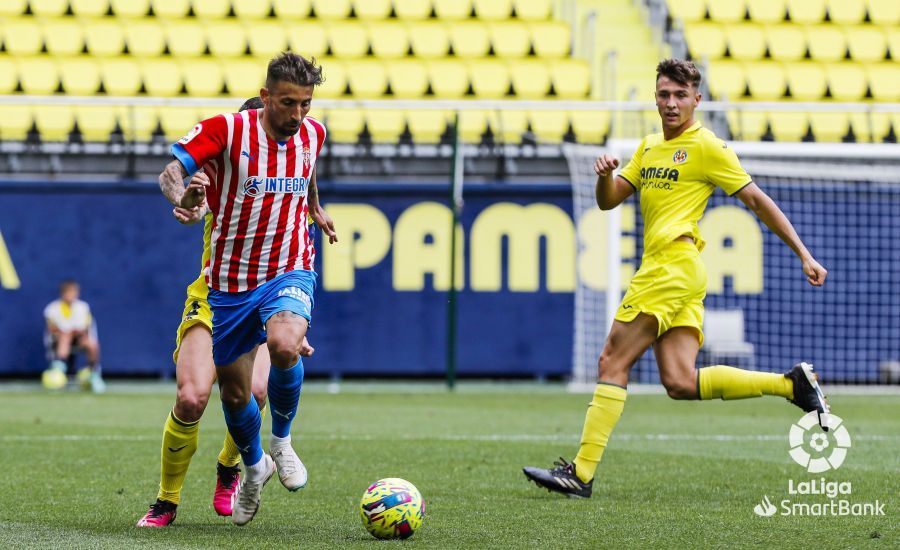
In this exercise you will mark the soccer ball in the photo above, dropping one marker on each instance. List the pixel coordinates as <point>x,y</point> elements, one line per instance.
<point>392,508</point>
<point>54,379</point>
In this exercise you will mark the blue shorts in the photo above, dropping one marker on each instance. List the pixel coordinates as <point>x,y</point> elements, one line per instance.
<point>239,318</point>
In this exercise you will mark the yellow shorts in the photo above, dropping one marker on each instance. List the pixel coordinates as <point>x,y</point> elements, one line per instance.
<point>671,286</point>
<point>196,312</point>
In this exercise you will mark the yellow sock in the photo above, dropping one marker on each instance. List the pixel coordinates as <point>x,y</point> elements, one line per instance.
<point>602,415</point>
<point>230,455</point>
<point>731,383</point>
<point>178,446</point>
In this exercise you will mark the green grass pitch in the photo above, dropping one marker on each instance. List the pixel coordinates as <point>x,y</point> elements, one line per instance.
<point>79,470</point>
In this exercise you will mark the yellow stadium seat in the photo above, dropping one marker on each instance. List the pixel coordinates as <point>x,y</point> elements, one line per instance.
<point>348,39</point>
<point>726,79</point>
<point>130,8</point>
<point>550,39</point>
<point>54,122</point>
<point>63,36</point>
<point>202,77</point>
<point>884,12</point>
<point>870,127</point>
<point>344,125</point>
<point>9,75</point>
<point>789,126</point>
<point>826,42</point>
<point>208,111</point>
<point>426,125</point>
<point>829,127</point>
<point>335,79</point>
<point>489,78</point>
<point>806,11</point>
<point>747,125</point>
<point>765,79</point>
<point>806,80</point>
<point>884,80</point>
<point>211,9</point>
<point>368,79</point>
<point>244,77</point>
<point>388,39</point>
<point>429,40</point>
<point>307,39</point>
<point>509,39</point>
<point>184,39</point>
<point>22,36</point>
<point>331,9</point>
<point>493,10</point>
<point>767,11</point>
<point>292,9</point>
<point>688,11</point>
<point>449,79</point>
<point>571,78</point>
<point>13,7</point>
<point>447,10</point>
<point>533,10</point>
<point>161,77</point>
<point>15,122</point>
<point>137,122</point>
<point>38,75</point>
<point>412,9</point>
<point>590,126</point>
<point>177,121</point>
<point>50,8</point>
<point>79,75</point>
<point>787,42</point>
<point>705,40</point>
<point>549,126</point>
<point>847,81</point>
<point>145,38</point>
<point>251,9</point>
<point>746,41</point>
<point>95,122</point>
<point>469,39</point>
<point>104,37</point>
<point>893,40</point>
<point>846,11</point>
<point>474,123</point>
<point>530,79</point>
<point>89,8</point>
<point>726,11</point>
<point>372,9</point>
<point>866,43</point>
<point>408,78</point>
<point>170,9</point>
<point>385,125</point>
<point>267,38</point>
<point>225,38</point>
<point>120,75</point>
<point>511,125</point>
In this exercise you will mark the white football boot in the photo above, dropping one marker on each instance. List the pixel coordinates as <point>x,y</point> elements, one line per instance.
<point>246,501</point>
<point>291,470</point>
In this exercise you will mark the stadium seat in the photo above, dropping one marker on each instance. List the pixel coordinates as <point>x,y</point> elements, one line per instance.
<point>225,38</point>
<point>38,75</point>
<point>590,126</point>
<point>726,79</point>
<point>705,40</point>
<point>474,123</point>
<point>307,39</point>
<point>549,126</point>
<point>829,127</point>
<point>530,79</point>
<point>145,38</point>
<point>846,12</point>
<point>727,11</point>
<point>385,125</point>
<point>884,81</point>
<point>15,122</point>
<point>826,42</point>
<point>210,9</point>
<point>22,36</point>
<point>13,7</point>
<point>509,39</point>
<point>550,39</point>
<point>447,10</point>
<point>63,36</point>
<point>412,9</point>
<point>489,78</point>
<point>788,126</point>
<point>847,81</point>
<point>78,75</point>
<point>54,122</point>
<point>372,9</point>
<point>251,9</point>
<point>871,127</point>
<point>429,40</point>
<point>368,79</point>
<point>95,122</point>
<point>806,11</point>
<point>533,10</point>
<point>449,78</point>
<point>408,78</point>
<point>786,42</point>
<point>335,79</point>
<point>104,37</point>
<point>747,125</point>
<point>48,8</point>
<point>202,77</point>
<point>348,39</point>
<point>344,125</point>
<point>427,125</point>
<point>332,9</point>
<point>267,38</point>
<point>884,12</point>
<point>120,75</point>
<point>388,39</point>
<point>170,9</point>
<point>806,80</point>
<point>765,79</point>
<point>136,122</point>
<point>688,11</point>
<point>769,11</point>
<point>746,41</point>
<point>469,39</point>
<point>161,77</point>
<point>493,10</point>
<point>893,40</point>
<point>867,43</point>
<point>130,8</point>
<point>511,126</point>
<point>184,39</point>
<point>177,121</point>
<point>9,75</point>
<point>89,8</point>
<point>291,9</point>
<point>571,78</point>
<point>244,77</point>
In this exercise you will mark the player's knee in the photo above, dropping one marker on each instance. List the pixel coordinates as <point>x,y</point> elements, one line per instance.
<point>234,396</point>
<point>607,367</point>
<point>190,402</point>
<point>284,354</point>
<point>680,389</point>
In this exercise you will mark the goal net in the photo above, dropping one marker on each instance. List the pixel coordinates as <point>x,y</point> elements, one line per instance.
<point>844,201</point>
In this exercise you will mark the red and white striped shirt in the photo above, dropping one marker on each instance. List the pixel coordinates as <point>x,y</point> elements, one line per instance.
<point>257,194</point>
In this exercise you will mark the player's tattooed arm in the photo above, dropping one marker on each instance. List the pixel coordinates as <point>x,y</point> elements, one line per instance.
<point>171,183</point>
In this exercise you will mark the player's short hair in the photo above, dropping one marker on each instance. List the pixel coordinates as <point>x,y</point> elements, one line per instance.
<point>293,68</point>
<point>252,103</point>
<point>67,283</point>
<point>681,71</point>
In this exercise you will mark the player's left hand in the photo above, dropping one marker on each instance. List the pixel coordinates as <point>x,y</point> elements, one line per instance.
<point>325,223</point>
<point>815,273</point>
<point>306,349</point>
<point>195,192</point>
<point>189,216</point>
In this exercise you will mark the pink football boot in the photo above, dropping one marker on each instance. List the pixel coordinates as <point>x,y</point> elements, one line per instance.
<point>160,514</point>
<point>227,478</point>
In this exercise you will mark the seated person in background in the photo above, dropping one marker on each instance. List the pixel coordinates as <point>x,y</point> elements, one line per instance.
<point>71,328</point>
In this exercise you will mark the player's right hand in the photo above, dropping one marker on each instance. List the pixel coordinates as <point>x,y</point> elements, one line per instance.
<point>189,216</point>
<point>306,349</point>
<point>605,164</point>
<point>195,192</point>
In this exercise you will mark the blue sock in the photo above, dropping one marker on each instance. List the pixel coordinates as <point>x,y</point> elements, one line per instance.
<point>243,425</point>
<point>284,396</point>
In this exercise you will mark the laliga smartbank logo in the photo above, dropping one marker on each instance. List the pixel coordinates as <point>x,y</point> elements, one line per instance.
<point>818,452</point>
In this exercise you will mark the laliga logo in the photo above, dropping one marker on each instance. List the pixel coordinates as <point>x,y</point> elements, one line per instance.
<point>818,442</point>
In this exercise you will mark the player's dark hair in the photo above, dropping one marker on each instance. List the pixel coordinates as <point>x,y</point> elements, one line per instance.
<point>681,71</point>
<point>67,283</point>
<point>293,68</point>
<point>252,103</point>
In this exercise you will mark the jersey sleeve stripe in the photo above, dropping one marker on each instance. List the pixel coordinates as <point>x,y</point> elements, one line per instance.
<point>741,188</point>
<point>185,158</point>
<point>629,182</point>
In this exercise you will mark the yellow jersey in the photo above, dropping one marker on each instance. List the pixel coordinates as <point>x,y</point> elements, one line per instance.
<point>675,179</point>
<point>199,288</point>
